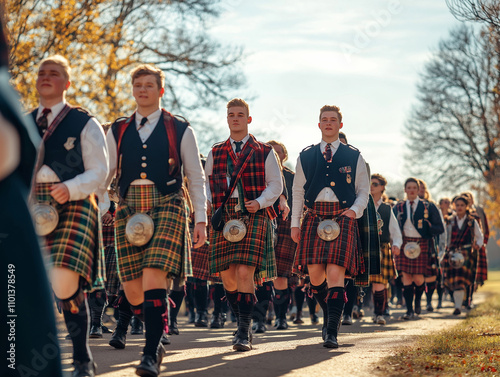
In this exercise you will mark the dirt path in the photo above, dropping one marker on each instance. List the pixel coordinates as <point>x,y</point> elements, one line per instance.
<point>294,352</point>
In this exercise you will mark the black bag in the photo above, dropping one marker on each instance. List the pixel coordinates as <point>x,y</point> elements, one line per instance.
<point>217,219</point>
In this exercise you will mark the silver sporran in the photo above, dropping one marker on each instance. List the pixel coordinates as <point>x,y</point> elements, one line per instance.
<point>234,230</point>
<point>457,258</point>
<point>139,229</point>
<point>46,218</point>
<point>328,230</point>
<point>412,250</point>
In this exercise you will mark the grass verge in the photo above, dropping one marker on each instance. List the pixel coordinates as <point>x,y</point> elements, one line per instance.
<point>469,348</point>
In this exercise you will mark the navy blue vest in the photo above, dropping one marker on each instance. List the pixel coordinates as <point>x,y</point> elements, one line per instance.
<point>430,226</point>
<point>339,175</point>
<point>384,211</point>
<point>149,160</point>
<point>63,149</point>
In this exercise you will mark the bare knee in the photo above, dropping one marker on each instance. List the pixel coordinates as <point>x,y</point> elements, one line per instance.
<point>64,282</point>
<point>133,291</point>
<point>317,273</point>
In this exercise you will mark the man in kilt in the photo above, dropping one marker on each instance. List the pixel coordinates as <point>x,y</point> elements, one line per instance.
<point>331,188</point>
<point>390,243</point>
<point>464,236</point>
<point>253,168</point>
<point>73,170</point>
<point>147,151</point>
<point>419,221</point>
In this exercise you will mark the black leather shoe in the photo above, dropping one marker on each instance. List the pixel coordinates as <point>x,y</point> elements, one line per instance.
<point>165,340</point>
<point>323,332</point>
<point>172,328</point>
<point>95,331</point>
<point>201,320</point>
<point>84,369</point>
<point>241,344</point>
<point>137,328</point>
<point>429,308</point>
<point>150,366</point>
<point>298,319</point>
<point>106,330</point>
<point>216,322</point>
<point>282,324</point>
<point>331,341</point>
<point>314,319</point>
<point>418,308</point>
<point>118,339</point>
<point>260,328</point>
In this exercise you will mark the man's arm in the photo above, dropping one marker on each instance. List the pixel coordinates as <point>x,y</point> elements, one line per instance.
<point>362,187</point>
<point>274,183</point>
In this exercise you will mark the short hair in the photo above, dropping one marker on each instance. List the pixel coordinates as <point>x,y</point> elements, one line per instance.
<point>59,60</point>
<point>412,179</point>
<point>330,108</point>
<point>443,199</point>
<point>148,69</point>
<point>238,102</point>
<point>274,142</point>
<point>380,178</point>
<point>342,136</point>
<point>462,198</point>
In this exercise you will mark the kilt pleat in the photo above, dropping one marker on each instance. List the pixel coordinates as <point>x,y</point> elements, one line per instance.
<point>459,278</point>
<point>343,251</point>
<point>387,267</point>
<point>169,248</point>
<point>76,243</point>
<point>426,264</point>
<point>112,284</point>
<point>255,249</point>
<point>285,248</point>
<point>482,266</point>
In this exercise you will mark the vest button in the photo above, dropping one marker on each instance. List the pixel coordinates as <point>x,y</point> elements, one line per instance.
<point>332,183</point>
<point>171,161</point>
<point>143,175</point>
<point>143,158</point>
<point>327,175</point>
<point>144,146</point>
<point>144,164</point>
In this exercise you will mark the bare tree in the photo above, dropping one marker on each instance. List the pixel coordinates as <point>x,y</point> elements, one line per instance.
<point>487,11</point>
<point>454,130</point>
<point>105,39</point>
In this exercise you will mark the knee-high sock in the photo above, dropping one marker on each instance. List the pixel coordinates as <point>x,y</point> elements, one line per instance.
<point>431,287</point>
<point>281,301</point>
<point>311,304</point>
<point>246,302</point>
<point>299,297</point>
<point>76,315</point>
<point>176,297</point>
<point>440,291</point>
<point>190,297</point>
<point>320,292</point>
<point>232,298</point>
<point>264,295</point>
<point>201,296</point>
<point>335,302</point>
<point>218,294</point>
<point>352,293</point>
<point>97,303</point>
<point>124,312</point>
<point>458,297</point>
<point>419,291</point>
<point>408,293</point>
<point>155,307</point>
<point>379,302</point>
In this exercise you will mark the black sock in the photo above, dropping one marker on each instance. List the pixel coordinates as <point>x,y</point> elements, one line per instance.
<point>311,304</point>
<point>263,294</point>
<point>201,296</point>
<point>352,295</point>
<point>218,294</point>
<point>281,300</point>
<point>408,292</point>
<point>379,302</point>
<point>299,297</point>
<point>335,302</point>
<point>154,308</point>
<point>124,312</point>
<point>232,298</point>
<point>431,287</point>
<point>190,297</point>
<point>246,302</point>
<point>419,291</point>
<point>76,316</point>
<point>440,291</point>
<point>176,297</point>
<point>97,303</point>
<point>320,292</point>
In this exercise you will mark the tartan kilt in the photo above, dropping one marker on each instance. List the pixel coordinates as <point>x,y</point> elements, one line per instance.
<point>387,267</point>
<point>112,284</point>
<point>459,278</point>
<point>255,249</point>
<point>344,251</point>
<point>76,243</point>
<point>482,266</point>
<point>426,264</point>
<point>285,248</point>
<point>169,248</point>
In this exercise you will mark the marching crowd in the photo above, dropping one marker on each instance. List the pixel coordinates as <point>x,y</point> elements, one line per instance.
<point>131,216</point>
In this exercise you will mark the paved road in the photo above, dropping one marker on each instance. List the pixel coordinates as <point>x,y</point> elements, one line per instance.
<point>297,351</point>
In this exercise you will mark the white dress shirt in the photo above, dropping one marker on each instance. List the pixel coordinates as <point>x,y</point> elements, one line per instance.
<point>274,182</point>
<point>189,154</point>
<point>478,234</point>
<point>95,161</point>
<point>409,229</point>
<point>394,231</point>
<point>362,187</point>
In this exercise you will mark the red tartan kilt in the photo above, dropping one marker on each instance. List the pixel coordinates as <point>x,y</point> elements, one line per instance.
<point>482,266</point>
<point>108,235</point>
<point>343,251</point>
<point>199,260</point>
<point>285,248</point>
<point>423,265</point>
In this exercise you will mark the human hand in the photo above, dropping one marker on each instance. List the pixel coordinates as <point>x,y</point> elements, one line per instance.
<point>60,193</point>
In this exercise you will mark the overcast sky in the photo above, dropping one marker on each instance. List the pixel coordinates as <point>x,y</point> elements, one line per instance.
<point>364,56</point>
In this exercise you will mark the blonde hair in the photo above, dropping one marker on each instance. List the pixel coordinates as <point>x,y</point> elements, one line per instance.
<point>147,69</point>
<point>59,60</point>
<point>238,102</point>
<point>330,108</point>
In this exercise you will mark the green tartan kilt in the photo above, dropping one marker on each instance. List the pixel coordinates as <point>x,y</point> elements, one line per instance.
<point>387,268</point>
<point>169,248</point>
<point>460,278</point>
<point>255,249</point>
<point>76,243</point>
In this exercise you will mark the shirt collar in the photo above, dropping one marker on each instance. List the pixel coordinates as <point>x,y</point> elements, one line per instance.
<point>153,118</point>
<point>244,140</point>
<point>54,110</point>
<point>334,144</point>
<point>378,203</point>
<point>415,201</point>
